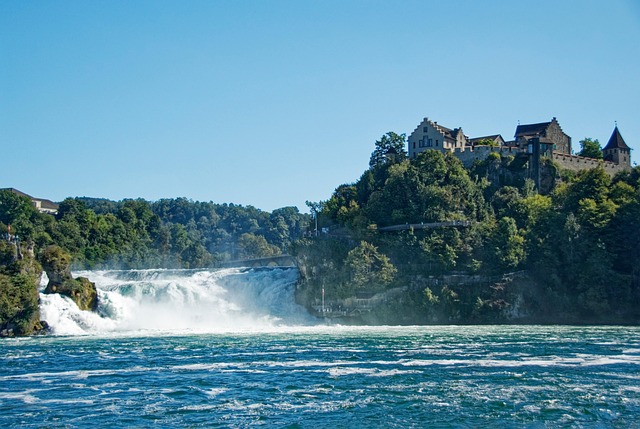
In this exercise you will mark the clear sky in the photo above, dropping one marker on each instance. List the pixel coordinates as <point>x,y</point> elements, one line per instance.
<point>271,103</point>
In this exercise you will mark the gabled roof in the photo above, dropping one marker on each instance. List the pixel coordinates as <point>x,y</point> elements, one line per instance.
<point>492,138</point>
<point>15,191</point>
<point>41,203</point>
<point>448,133</point>
<point>616,141</point>
<point>454,132</point>
<point>48,204</point>
<point>442,127</point>
<point>531,129</point>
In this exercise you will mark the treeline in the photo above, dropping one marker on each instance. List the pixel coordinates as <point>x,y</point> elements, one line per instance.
<point>168,233</point>
<point>579,244</point>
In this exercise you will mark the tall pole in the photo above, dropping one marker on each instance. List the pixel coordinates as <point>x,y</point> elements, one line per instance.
<point>314,207</point>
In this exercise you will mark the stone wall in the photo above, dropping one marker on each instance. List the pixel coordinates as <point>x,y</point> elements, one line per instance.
<point>469,155</point>
<point>577,163</point>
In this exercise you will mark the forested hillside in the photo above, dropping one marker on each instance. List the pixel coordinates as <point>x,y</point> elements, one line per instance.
<point>472,245</point>
<point>575,250</point>
<point>139,234</point>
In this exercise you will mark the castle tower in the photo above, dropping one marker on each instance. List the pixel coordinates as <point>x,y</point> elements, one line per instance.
<point>617,150</point>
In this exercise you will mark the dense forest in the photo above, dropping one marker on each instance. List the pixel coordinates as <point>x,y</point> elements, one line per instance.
<point>169,233</point>
<point>572,255</point>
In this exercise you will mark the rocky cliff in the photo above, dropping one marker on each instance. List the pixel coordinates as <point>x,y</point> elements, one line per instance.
<point>19,279</point>
<point>57,264</point>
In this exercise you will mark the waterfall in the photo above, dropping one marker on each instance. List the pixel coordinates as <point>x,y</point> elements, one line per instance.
<point>194,301</point>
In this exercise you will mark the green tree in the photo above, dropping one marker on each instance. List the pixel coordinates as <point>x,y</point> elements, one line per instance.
<point>487,142</point>
<point>19,212</point>
<point>369,269</point>
<point>440,249</point>
<point>432,188</point>
<point>389,149</point>
<point>590,148</point>
<point>508,245</point>
<point>256,246</point>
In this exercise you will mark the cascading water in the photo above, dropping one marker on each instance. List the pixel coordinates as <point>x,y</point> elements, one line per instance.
<point>180,301</point>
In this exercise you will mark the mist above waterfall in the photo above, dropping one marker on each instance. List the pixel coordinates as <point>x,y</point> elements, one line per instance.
<point>181,301</point>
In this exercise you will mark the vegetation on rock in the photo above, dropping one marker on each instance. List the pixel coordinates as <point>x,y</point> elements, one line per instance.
<point>19,306</point>
<point>57,264</point>
<point>569,254</point>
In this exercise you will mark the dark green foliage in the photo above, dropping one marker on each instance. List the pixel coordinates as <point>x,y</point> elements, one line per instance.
<point>16,210</point>
<point>368,268</point>
<point>590,148</point>
<point>168,233</point>
<point>576,248</point>
<point>586,250</point>
<point>432,188</point>
<point>390,149</point>
<point>19,279</point>
<point>19,311</point>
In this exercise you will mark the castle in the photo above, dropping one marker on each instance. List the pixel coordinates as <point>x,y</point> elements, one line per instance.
<point>531,143</point>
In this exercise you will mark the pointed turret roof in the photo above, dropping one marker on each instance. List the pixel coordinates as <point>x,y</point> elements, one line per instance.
<point>616,141</point>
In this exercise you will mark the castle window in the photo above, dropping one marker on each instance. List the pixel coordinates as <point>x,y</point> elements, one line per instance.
<point>430,142</point>
<point>425,129</point>
<point>436,142</point>
<point>414,145</point>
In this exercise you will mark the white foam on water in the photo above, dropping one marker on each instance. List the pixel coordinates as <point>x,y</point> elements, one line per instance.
<point>25,396</point>
<point>73,374</point>
<point>213,392</point>
<point>180,301</point>
<point>552,361</point>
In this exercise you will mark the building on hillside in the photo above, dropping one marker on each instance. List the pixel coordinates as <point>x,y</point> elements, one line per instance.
<point>532,143</point>
<point>617,150</point>
<point>431,135</point>
<point>41,204</point>
<point>548,132</point>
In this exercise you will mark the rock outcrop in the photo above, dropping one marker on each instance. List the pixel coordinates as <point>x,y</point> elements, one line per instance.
<point>57,264</point>
<point>19,302</point>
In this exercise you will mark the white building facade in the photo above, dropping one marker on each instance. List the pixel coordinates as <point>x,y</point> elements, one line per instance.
<point>430,135</point>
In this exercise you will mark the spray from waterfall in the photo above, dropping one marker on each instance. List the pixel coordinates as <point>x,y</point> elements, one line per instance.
<point>195,301</point>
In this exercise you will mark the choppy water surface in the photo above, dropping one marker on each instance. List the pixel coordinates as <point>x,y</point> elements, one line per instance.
<point>327,377</point>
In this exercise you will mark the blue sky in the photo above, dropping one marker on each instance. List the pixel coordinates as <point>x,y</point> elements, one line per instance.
<point>271,103</point>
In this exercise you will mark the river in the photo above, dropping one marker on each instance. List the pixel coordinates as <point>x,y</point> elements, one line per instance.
<point>256,360</point>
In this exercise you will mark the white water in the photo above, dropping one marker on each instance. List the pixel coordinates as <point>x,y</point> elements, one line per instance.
<point>180,301</point>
